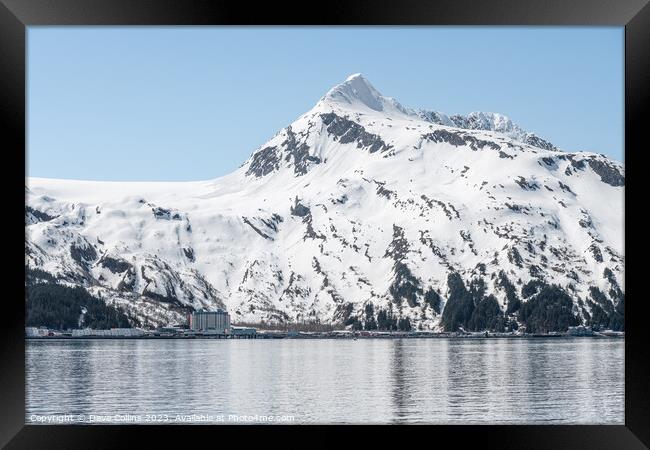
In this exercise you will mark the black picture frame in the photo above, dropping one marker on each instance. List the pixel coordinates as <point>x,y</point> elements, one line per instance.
<point>16,15</point>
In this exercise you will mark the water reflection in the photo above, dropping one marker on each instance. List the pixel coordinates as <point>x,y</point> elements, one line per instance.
<point>330,381</point>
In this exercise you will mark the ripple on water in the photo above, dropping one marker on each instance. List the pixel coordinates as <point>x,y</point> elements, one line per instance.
<point>334,381</point>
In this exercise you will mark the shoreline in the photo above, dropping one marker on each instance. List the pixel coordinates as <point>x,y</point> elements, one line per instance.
<point>265,336</point>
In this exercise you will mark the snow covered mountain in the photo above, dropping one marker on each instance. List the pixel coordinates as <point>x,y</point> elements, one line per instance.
<point>359,201</point>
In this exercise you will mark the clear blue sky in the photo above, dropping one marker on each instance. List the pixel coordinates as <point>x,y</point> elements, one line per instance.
<point>180,103</point>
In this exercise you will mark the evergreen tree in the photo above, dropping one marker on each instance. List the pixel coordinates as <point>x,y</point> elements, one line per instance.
<point>617,320</point>
<point>382,320</point>
<point>513,302</point>
<point>405,286</point>
<point>391,320</point>
<point>599,319</point>
<point>432,298</point>
<point>460,304</point>
<point>531,288</point>
<point>370,323</point>
<point>404,324</point>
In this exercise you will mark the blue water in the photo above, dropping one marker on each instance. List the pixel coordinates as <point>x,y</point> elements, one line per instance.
<point>485,381</point>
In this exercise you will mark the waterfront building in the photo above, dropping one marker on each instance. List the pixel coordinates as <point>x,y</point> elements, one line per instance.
<point>38,332</point>
<point>167,331</point>
<point>82,332</point>
<point>31,332</point>
<point>113,332</point>
<point>128,332</point>
<point>213,321</point>
<point>243,331</point>
<point>580,330</point>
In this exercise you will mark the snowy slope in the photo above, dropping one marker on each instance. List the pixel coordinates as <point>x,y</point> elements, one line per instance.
<point>354,202</point>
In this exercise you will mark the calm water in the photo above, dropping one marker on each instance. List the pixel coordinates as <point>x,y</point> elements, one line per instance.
<point>572,380</point>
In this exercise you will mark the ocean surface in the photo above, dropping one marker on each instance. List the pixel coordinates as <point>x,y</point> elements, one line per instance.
<point>437,381</point>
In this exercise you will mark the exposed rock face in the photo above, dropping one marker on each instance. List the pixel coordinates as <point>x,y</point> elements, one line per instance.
<point>115,265</point>
<point>299,209</point>
<point>346,131</point>
<point>298,153</point>
<point>264,162</point>
<point>536,141</point>
<point>608,172</point>
<point>34,215</point>
<point>458,139</point>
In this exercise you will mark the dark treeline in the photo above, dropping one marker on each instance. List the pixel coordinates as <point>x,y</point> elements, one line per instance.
<point>380,320</point>
<point>540,307</point>
<point>548,308</point>
<point>604,315</point>
<point>60,307</point>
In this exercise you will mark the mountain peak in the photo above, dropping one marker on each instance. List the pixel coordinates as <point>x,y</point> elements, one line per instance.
<point>357,94</point>
<point>354,76</point>
<point>356,90</point>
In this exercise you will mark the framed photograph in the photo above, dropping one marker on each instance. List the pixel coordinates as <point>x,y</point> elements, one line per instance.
<point>283,220</point>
